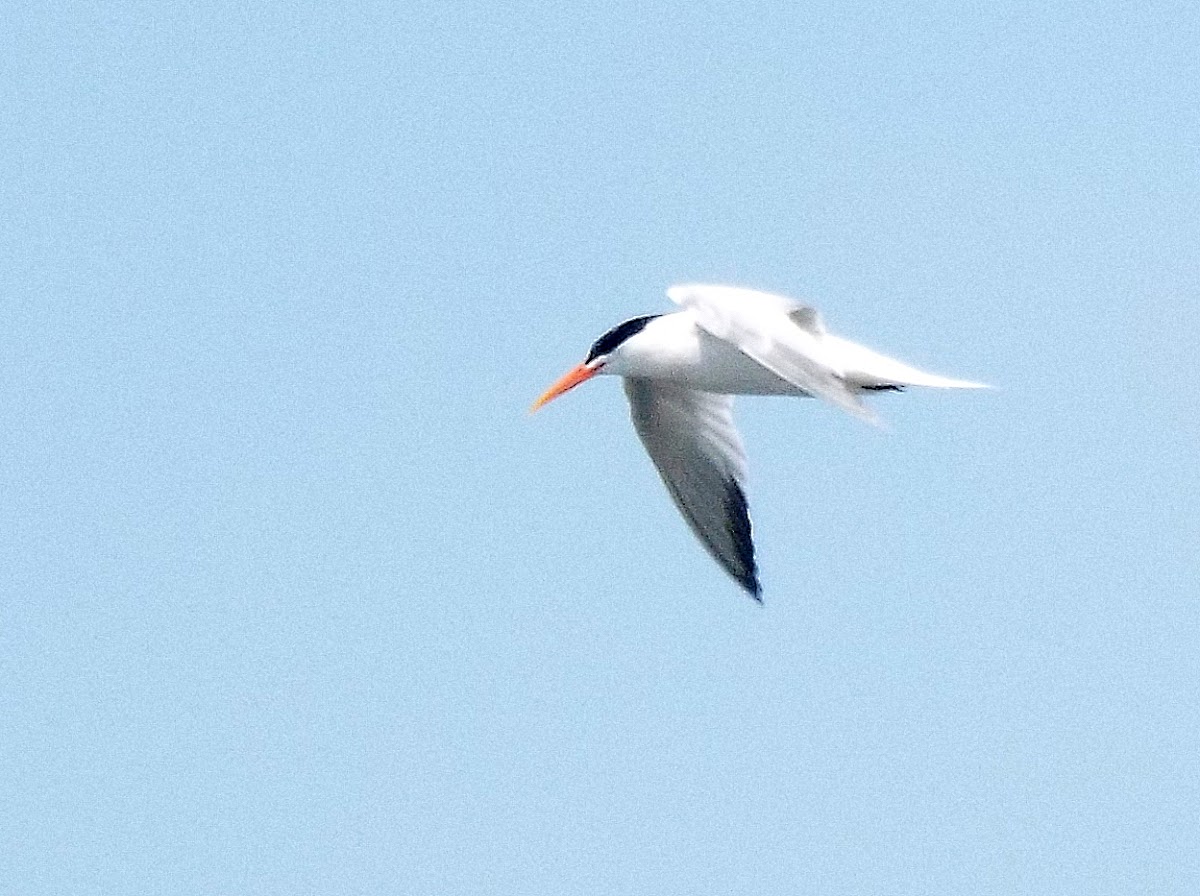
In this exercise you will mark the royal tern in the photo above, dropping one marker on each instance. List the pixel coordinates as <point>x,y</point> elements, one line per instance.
<point>681,371</point>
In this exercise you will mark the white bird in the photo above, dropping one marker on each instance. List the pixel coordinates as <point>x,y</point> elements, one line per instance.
<point>682,370</point>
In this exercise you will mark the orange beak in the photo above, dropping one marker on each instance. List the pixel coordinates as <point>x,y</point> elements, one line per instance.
<point>570,380</point>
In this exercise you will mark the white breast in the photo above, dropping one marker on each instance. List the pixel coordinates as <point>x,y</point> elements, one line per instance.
<point>673,348</point>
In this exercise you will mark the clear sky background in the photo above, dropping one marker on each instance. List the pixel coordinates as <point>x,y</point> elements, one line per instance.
<point>298,599</point>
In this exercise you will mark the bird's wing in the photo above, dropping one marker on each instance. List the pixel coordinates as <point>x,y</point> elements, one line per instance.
<point>782,335</point>
<point>691,438</point>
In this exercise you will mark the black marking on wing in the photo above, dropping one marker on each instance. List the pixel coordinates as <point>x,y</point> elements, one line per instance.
<point>618,334</point>
<point>691,440</point>
<point>883,387</point>
<point>740,530</point>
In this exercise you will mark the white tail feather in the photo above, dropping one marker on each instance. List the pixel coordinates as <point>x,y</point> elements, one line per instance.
<point>861,366</point>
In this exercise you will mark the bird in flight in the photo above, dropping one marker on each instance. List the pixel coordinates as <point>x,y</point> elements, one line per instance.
<point>681,371</point>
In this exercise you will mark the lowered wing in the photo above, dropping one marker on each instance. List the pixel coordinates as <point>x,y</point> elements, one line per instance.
<point>691,438</point>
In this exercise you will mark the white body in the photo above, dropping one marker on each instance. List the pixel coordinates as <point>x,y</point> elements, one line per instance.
<point>681,371</point>
<point>682,348</point>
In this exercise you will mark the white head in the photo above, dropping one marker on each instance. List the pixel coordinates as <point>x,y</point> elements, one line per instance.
<point>604,349</point>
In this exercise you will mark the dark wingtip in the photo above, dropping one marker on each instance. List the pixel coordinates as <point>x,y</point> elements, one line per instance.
<point>751,583</point>
<point>740,529</point>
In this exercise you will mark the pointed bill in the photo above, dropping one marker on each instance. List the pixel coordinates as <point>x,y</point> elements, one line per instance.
<point>568,381</point>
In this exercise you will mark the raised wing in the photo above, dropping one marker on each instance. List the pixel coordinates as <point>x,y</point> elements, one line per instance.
<point>782,335</point>
<point>691,438</point>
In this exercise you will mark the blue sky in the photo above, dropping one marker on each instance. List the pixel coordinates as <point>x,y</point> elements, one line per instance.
<point>298,599</point>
